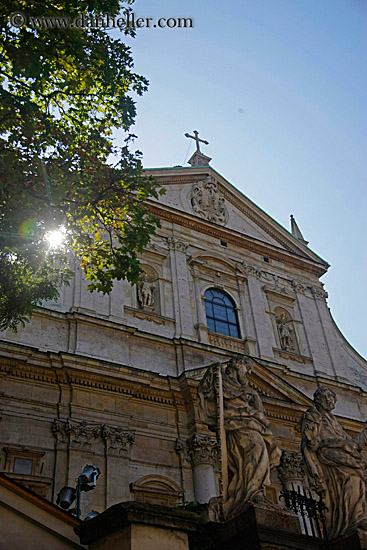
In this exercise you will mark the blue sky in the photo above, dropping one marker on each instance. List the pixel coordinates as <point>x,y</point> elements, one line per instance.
<point>278,88</point>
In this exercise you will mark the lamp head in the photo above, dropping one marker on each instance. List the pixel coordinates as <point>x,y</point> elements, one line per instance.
<point>92,514</point>
<point>66,497</point>
<point>89,477</point>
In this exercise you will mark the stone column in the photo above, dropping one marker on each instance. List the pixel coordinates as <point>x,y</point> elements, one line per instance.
<point>202,451</point>
<point>181,290</point>
<point>118,441</point>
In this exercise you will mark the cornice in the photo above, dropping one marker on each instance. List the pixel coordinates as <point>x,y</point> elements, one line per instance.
<point>88,379</point>
<point>223,233</point>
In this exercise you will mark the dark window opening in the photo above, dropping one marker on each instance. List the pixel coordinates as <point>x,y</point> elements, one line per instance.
<point>221,314</point>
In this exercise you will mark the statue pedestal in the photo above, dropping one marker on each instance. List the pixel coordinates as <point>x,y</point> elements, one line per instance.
<point>138,526</point>
<point>356,541</point>
<point>143,526</point>
<point>261,527</point>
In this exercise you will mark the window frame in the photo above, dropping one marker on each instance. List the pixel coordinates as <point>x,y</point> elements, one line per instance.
<point>227,317</point>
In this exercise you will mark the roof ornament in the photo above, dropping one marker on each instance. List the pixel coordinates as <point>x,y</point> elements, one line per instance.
<point>198,158</point>
<point>296,232</point>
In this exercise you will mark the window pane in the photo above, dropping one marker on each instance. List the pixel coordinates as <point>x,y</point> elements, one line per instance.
<point>233,331</point>
<point>211,324</point>
<point>220,312</point>
<point>209,309</point>
<point>232,316</point>
<point>222,328</point>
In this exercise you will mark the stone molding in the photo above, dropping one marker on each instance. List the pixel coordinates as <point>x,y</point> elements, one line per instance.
<point>82,435</point>
<point>291,466</point>
<point>319,293</point>
<point>198,449</point>
<point>69,376</point>
<point>150,316</point>
<point>218,232</point>
<point>175,244</point>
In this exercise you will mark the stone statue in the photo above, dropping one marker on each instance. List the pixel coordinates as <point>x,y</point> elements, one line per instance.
<point>284,334</point>
<point>334,465</point>
<point>248,451</point>
<point>146,293</point>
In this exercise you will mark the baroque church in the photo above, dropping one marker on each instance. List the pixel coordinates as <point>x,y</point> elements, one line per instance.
<point>112,380</point>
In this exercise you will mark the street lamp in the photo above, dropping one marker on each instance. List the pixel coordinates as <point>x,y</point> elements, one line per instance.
<point>85,482</point>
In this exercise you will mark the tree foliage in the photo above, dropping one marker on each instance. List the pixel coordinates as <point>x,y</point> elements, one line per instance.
<point>63,92</point>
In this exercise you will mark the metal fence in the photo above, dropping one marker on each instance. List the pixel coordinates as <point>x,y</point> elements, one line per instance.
<point>310,511</point>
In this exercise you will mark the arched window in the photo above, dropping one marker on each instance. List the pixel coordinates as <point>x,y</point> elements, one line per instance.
<point>221,313</point>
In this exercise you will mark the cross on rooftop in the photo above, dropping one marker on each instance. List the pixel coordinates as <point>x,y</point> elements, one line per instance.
<point>197,139</point>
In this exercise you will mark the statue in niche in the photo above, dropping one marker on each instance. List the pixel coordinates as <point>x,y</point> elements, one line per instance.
<point>285,336</point>
<point>146,294</point>
<point>228,404</point>
<point>333,465</point>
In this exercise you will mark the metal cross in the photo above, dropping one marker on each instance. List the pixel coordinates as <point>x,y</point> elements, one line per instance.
<point>197,139</point>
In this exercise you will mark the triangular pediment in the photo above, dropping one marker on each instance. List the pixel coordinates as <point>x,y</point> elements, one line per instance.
<point>269,385</point>
<point>272,386</point>
<point>203,193</point>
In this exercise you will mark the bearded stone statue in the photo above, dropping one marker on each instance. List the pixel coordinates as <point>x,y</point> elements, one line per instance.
<point>334,465</point>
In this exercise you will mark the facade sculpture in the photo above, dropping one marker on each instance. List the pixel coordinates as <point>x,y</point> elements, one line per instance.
<point>208,201</point>
<point>334,465</point>
<point>229,404</point>
<point>285,336</point>
<point>146,294</point>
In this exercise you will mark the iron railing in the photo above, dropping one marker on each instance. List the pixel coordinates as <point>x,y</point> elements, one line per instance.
<point>310,511</point>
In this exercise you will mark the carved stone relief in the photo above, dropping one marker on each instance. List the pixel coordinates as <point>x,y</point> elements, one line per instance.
<point>291,466</point>
<point>176,244</point>
<point>198,449</point>
<point>83,435</point>
<point>117,440</point>
<point>208,201</point>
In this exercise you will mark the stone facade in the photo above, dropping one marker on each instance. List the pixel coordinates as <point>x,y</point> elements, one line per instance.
<point>112,380</point>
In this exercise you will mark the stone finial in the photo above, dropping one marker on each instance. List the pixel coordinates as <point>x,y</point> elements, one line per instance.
<point>296,232</point>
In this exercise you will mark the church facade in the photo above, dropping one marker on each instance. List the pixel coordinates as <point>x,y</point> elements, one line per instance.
<point>112,380</point>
